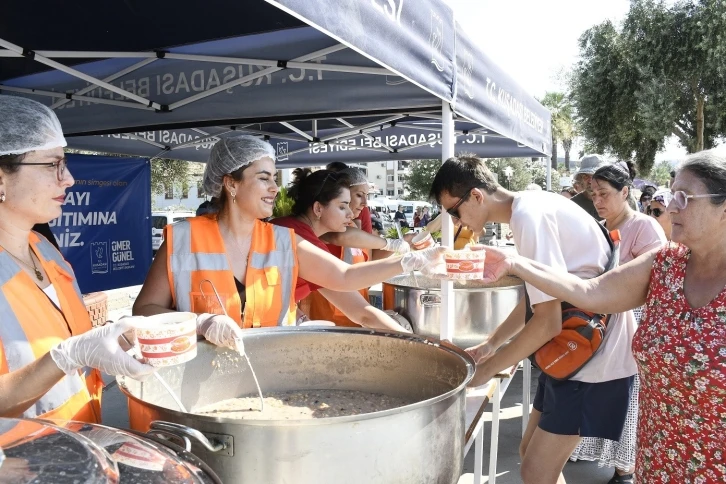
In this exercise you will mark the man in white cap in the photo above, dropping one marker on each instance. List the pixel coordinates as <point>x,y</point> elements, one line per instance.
<point>588,166</point>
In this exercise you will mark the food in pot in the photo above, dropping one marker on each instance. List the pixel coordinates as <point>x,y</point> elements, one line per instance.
<point>464,264</point>
<point>302,405</point>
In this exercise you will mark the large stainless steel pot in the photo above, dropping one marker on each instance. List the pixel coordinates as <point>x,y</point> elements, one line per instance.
<point>478,308</point>
<point>418,443</point>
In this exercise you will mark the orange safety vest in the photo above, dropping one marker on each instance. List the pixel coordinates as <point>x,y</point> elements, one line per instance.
<point>31,325</point>
<point>196,254</point>
<point>321,308</point>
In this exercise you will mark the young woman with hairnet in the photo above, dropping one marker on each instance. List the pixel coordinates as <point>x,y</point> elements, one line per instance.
<point>49,356</point>
<point>327,202</point>
<point>252,265</point>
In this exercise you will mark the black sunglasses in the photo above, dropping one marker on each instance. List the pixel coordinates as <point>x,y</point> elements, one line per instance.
<point>656,212</point>
<point>454,211</point>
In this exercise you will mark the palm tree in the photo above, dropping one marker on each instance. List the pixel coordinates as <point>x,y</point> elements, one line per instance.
<point>562,124</point>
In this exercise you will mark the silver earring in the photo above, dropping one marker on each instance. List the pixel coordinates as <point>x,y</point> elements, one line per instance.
<point>2,197</point>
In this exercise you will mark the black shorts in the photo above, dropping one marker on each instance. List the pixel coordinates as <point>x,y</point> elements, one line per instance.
<point>586,409</point>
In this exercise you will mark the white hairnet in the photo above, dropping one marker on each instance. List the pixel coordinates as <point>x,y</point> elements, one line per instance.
<point>357,177</point>
<point>27,125</point>
<point>231,154</point>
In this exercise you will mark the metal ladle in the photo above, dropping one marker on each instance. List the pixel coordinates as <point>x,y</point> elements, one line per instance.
<point>163,382</point>
<point>224,310</point>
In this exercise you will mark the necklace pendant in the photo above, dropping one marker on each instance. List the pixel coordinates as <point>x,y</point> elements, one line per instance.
<point>38,275</point>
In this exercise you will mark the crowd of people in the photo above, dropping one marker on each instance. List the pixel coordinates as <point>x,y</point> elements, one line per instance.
<point>650,402</point>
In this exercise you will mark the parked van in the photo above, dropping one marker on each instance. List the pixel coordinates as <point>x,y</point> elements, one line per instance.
<point>159,220</point>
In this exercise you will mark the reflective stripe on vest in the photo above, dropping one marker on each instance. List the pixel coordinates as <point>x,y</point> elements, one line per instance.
<point>19,352</point>
<point>50,253</point>
<point>282,258</point>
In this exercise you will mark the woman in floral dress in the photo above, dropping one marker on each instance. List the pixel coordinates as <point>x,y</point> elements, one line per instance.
<point>680,346</point>
<point>640,234</point>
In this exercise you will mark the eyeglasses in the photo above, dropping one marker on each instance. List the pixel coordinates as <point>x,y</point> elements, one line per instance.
<point>454,211</point>
<point>655,212</point>
<point>680,199</point>
<point>60,166</point>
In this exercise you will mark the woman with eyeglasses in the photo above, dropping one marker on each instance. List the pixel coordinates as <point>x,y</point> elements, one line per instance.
<point>49,356</point>
<point>253,265</point>
<point>680,346</point>
<point>324,205</point>
<point>658,209</point>
<point>610,187</point>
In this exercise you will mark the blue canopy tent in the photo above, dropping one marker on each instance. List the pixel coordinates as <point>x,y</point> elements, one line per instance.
<point>317,78</point>
<point>322,80</point>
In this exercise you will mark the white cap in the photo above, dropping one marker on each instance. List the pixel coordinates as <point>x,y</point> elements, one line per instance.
<point>27,125</point>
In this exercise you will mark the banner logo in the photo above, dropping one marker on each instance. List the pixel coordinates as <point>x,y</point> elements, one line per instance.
<point>281,151</point>
<point>99,257</point>
<point>436,39</point>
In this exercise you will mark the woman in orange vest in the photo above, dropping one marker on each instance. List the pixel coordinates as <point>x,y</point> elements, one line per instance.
<point>325,203</point>
<point>253,266</point>
<point>49,356</point>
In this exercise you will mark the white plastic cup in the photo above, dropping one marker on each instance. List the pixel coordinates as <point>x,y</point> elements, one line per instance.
<point>168,339</point>
<point>317,323</point>
<point>422,240</point>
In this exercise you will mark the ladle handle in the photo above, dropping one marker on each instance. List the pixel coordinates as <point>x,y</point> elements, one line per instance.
<point>183,431</point>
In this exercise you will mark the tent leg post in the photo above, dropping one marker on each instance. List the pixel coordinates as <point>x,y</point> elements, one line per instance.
<point>447,227</point>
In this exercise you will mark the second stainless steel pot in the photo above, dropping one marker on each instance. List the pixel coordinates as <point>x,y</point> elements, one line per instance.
<point>415,444</point>
<point>478,308</point>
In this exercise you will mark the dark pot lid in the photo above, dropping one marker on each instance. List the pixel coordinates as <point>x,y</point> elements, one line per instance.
<point>76,452</point>
<point>39,452</point>
<point>142,460</point>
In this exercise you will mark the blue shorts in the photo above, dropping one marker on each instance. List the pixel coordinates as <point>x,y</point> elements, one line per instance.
<point>586,409</point>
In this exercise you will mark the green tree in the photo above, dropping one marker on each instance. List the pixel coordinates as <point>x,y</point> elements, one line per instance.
<point>421,176</point>
<point>166,172</point>
<point>663,73</point>
<point>283,204</point>
<point>661,173</point>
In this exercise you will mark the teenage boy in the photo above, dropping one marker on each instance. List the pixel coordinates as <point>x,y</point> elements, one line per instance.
<point>552,230</point>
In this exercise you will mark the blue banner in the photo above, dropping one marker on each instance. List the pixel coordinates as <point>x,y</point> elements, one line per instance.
<point>105,229</point>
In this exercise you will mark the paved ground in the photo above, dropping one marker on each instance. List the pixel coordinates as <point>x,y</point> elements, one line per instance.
<point>115,414</point>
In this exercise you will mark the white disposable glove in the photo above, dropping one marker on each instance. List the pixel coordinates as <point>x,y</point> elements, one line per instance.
<point>426,260</point>
<point>221,330</point>
<point>99,348</point>
<point>398,246</point>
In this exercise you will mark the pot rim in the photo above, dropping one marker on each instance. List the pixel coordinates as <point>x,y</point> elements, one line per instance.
<point>462,289</point>
<point>443,345</point>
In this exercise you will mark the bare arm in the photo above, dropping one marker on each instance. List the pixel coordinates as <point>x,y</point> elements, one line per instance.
<point>616,291</point>
<point>544,325</point>
<point>358,310</point>
<point>155,296</point>
<point>354,237</point>
<point>22,388</point>
<point>323,269</point>
<point>360,239</point>
<point>510,327</point>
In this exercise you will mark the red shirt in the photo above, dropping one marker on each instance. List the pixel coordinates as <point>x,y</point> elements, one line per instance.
<point>303,287</point>
<point>365,220</point>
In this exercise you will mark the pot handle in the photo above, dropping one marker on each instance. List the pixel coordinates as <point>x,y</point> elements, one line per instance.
<point>186,433</point>
<point>430,300</point>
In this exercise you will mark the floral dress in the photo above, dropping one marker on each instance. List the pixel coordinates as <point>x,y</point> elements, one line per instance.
<point>681,355</point>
